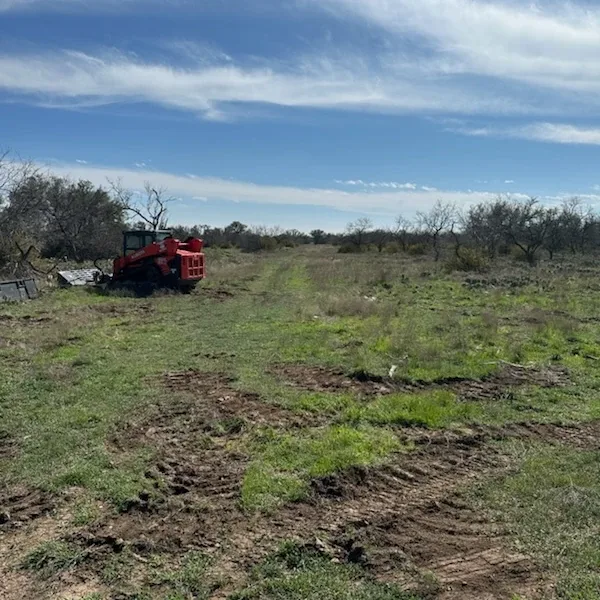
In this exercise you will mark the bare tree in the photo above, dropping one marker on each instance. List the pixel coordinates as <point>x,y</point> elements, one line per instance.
<point>439,220</point>
<point>485,224</point>
<point>400,231</point>
<point>13,170</point>
<point>357,231</point>
<point>18,221</point>
<point>152,207</point>
<point>528,226</point>
<point>577,221</point>
<point>380,237</point>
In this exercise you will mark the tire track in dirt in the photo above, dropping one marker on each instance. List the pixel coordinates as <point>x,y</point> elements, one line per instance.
<point>198,467</point>
<point>409,516</point>
<point>397,520</point>
<point>22,504</point>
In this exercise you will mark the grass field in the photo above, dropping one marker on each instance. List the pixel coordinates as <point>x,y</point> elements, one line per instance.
<point>307,425</point>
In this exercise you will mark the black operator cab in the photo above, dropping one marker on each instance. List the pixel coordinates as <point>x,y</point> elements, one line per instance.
<point>136,240</point>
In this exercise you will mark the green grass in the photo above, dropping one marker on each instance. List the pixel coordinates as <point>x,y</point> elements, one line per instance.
<point>286,462</point>
<point>72,380</point>
<point>190,580</point>
<point>85,512</point>
<point>431,409</point>
<point>95,362</point>
<point>295,573</point>
<point>552,508</point>
<point>53,557</point>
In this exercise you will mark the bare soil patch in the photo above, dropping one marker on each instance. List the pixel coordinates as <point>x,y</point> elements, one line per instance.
<point>322,379</point>
<point>8,446</point>
<point>211,397</point>
<point>26,320</point>
<point>217,294</point>
<point>405,518</point>
<point>198,467</point>
<point>116,310</point>
<point>17,583</point>
<point>409,517</point>
<point>21,504</point>
<point>495,386</point>
<point>396,520</point>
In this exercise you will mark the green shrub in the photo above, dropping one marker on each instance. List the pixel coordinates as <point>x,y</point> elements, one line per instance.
<point>268,243</point>
<point>517,254</point>
<point>417,249</point>
<point>350,249</point>
<point>393,248</point>
<point>468,260</point>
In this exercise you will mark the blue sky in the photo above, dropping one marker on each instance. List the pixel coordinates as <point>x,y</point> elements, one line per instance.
<point>307,113</point>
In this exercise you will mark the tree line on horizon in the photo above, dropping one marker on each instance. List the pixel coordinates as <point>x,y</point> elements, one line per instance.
<point>46,216</point>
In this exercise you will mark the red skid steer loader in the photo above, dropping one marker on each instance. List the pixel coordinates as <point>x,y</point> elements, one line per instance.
<point>154,259</point>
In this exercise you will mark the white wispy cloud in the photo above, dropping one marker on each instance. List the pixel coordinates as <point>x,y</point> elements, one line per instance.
<point>441,57</point>
<point>81,162</point>
<point>509,181</point>
<point>551,44</point>
<point>384,203</point>
<point>72,79</point>
<point>394,185</point>
<point>556,133</point>
<point>560,133</point>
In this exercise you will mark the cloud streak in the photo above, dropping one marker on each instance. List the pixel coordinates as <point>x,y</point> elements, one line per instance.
<point>552,45</point>
<point>387,203</point>
<point>555,133</point>
<point>394,185</point>
<point>72,78</point>
<point>492,58</point>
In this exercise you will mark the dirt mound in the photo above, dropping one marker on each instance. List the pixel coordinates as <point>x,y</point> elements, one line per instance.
<point>20,505</point>
<point>495,386</point>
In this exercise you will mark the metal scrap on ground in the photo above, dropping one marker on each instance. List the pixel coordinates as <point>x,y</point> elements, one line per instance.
<point>78,277</point>
<point>18,290</point>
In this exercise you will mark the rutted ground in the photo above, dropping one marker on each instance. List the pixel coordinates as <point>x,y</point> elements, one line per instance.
<point>399,521</point>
